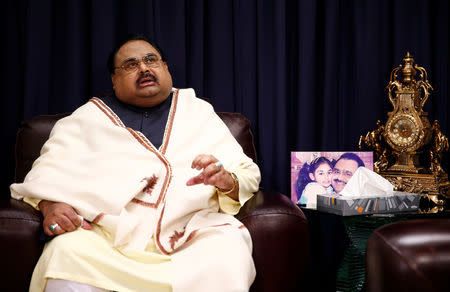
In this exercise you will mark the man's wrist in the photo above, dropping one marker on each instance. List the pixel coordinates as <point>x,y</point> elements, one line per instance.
<point>43,205</point>
<point>233,189</point>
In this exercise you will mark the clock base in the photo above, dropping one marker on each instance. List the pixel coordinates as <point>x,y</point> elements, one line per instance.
<point>434,188</point>
<point>407,162</point>
<point>406,168</point>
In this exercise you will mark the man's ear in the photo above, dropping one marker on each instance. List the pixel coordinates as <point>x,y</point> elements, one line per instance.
<point>113,80</point>
<point>311,176</point>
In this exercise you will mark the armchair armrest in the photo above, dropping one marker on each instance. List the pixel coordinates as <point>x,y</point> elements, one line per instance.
<point>279,232</point>
<point>20,247</point>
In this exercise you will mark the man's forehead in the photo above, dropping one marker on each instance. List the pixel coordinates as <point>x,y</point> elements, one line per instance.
<point>346,164</point>
<point>135,49</point>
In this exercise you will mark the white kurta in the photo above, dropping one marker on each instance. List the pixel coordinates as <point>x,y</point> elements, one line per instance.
<point>151,229</point>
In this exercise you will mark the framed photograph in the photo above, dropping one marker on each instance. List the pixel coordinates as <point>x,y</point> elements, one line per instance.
<point>315,173</point>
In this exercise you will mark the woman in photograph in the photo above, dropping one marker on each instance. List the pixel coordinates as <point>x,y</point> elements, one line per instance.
<point>313,179</point>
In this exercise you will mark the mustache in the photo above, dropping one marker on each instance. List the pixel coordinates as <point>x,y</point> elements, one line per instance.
<point>147,75</point>
<point>339,181</point>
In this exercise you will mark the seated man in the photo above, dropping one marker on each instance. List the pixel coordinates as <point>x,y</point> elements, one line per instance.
<point>153,176</point>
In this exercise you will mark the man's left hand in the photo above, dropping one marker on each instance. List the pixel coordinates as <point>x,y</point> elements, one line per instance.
<point>212,174</point>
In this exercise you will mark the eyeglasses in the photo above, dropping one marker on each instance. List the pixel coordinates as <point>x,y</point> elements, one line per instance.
<point>132,65</point>
<point>346,173</point>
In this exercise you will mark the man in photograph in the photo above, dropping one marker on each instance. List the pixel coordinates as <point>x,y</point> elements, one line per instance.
<point>343,170</point>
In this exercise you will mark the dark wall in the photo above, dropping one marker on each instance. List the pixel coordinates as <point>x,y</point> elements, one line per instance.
<point>309,74</point>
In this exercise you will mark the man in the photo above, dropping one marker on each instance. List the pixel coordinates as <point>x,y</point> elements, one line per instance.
<point>158,176</point>
<point>344,169</point>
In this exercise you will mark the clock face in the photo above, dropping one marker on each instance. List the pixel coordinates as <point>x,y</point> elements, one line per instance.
<point>403,131</point>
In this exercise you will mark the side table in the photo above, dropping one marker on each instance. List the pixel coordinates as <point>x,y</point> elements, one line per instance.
<point>339,256</point>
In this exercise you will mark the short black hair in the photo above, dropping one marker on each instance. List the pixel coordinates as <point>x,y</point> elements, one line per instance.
<point>128,38</point>
<point>352,156</point>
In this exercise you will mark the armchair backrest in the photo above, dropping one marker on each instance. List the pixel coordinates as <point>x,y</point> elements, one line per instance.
<point>33,133</point>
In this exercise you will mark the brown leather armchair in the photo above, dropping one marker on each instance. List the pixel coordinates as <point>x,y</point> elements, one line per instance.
<point>411,255</point>
<point>278,227</point>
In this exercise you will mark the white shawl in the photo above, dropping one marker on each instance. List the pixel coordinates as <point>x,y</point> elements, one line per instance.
<point>114,177</point>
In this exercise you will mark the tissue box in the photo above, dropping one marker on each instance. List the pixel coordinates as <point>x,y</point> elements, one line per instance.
<point>398,202</point>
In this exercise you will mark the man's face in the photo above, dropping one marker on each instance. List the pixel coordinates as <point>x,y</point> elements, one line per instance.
<point>145,86</point>
<point>342,172</point>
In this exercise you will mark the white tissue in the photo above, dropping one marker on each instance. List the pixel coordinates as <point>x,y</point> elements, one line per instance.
<point>365,182</point>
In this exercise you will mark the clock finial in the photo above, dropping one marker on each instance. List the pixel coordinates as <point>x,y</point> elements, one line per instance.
<point>408,70</point>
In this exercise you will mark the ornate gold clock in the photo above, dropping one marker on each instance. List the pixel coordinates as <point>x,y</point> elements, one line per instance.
<point>408,149</point>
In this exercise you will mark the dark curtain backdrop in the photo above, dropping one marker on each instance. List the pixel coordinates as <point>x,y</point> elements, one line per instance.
<point>309,74</point>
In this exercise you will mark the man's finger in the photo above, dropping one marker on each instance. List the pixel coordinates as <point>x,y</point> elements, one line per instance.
<point>81,219</point>
<point>211,170</point>
<point>196,163</point>
<point>202,160</point>
<point>212,180</point>
<point>66,223</point>
<point>86,225</point>
<point>56,229</point>
<point>195,180</point>
<point>200,163</point>
<point>83,223</point>
<point>48,231</point>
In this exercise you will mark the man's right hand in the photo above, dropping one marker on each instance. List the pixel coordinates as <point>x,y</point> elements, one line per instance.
<point>63,215</point>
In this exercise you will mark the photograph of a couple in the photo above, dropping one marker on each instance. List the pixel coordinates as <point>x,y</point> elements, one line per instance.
<point>314,173</point>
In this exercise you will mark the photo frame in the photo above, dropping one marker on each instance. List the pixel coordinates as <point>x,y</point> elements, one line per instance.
<point>311,172</point>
